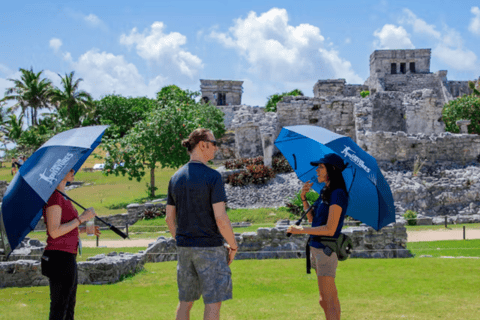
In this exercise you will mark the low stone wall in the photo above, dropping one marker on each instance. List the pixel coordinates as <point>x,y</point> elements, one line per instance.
<point>391,146</point>
<point>266,243</point>
<point>100,269</point>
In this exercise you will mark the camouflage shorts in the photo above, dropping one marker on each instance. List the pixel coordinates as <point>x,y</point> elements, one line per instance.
<point>203,271</point>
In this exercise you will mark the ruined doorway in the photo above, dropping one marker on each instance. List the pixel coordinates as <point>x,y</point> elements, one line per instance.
<point>412,67</point>
<point>403,68</point>
<point>394,68</point>
<point>221,100</point>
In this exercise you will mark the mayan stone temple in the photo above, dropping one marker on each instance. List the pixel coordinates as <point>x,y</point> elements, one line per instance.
<point>397,121</point>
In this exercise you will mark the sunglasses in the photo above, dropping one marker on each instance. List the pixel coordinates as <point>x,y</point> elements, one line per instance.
<point>214,142</point>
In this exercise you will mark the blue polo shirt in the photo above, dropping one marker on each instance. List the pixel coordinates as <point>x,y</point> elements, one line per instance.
<point>193,190</point>
<point>320,218</point>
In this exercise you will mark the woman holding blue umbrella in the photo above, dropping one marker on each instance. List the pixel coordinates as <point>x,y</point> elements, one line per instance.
<point>327,221</point>
<point>59,258</point>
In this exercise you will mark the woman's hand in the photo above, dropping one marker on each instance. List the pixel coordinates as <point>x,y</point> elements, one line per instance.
<point>97,231</point>
<point>306,187</point>
<point>294,229</point>
<point>87,215</point>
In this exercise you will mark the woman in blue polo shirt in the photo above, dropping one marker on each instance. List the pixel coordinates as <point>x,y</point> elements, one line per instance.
<point>327,221</point>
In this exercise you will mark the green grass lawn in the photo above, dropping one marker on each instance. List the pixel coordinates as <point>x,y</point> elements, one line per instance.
<point>454,248</point>
<point>280,289</point>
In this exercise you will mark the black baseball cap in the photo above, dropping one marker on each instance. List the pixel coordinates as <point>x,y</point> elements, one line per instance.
<point>332,159</point>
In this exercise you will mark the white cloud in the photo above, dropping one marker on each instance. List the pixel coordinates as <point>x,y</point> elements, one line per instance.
<point>457,58</point>
<point>419,25</point>
<point>348,40</point>
<point>448,47</point>
<point>341,67</point>
<point>94,21</point>
<point>55,44</point>
<point>392,37</point>
<point>474,26</point>
<point>164,49</point>
<point>105,73</point>
<point>4,69</point>
<point>276,50</point>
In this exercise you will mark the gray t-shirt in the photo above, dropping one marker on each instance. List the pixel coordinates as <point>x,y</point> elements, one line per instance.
<point>192,190</point>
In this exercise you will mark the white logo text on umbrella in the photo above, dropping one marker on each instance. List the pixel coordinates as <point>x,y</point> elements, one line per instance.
<point>55,169</point>
<point>352,156</point>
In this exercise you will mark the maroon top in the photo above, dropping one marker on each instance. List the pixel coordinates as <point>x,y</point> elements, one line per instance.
<point>69,241</point>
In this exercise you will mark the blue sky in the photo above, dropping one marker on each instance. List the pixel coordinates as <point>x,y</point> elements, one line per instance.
<point>135,48</point>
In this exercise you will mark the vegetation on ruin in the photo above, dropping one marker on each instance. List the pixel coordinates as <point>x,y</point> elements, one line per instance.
<point>466,107</point>
<point>272,100</point>
<point>364,93</point>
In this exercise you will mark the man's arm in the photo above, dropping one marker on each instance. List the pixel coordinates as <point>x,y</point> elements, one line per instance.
<point>223,223</point>
<point>171,219</point>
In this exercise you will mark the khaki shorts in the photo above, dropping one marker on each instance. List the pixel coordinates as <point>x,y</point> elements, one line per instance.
<point>203,271</point>
<point>324,265</point>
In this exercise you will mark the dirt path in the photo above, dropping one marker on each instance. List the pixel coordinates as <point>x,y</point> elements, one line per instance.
<point>413,236</point>
<point>443,234</point>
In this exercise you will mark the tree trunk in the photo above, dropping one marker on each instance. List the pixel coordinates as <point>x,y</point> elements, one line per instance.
<point>152,181</point>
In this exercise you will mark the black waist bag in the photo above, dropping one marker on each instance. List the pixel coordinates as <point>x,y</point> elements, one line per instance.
<point>342,246</point>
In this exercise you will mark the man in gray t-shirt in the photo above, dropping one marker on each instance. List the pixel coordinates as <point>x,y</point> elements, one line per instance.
<point>197,219</point>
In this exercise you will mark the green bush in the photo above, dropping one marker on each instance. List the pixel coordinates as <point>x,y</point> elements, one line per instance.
<point>295,205</point>
<point>463,108</point>
<point>271,105</point>
<point>411,217</point>
<point>365,93</point>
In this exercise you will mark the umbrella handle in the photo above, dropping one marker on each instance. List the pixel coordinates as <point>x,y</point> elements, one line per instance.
<point>300,220</point>
<point>113,228</point>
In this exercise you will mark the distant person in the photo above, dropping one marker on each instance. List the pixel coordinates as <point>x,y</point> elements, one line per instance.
<point>197,220</point>
<point>327,221</point>
<point>14,166</point>
<point>20,162</point>
<point>59,258</point>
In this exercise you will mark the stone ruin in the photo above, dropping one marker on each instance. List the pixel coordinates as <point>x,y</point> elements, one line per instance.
<point>406,101</point>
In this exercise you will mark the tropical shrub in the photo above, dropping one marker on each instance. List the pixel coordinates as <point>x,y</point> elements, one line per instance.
<point>295,205</point>
<point>243,163</point>
<point>463,108</point>
<point>271,105</point>
<point>411,217</point>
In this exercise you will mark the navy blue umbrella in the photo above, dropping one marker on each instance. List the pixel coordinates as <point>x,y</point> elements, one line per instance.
<point>370,197</point>
<point>37,179</point>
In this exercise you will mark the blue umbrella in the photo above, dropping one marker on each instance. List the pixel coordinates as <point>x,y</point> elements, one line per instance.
<point>37,179</point>
<point>370,197</point>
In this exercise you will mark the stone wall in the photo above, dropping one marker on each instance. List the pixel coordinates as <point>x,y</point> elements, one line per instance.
<point>416,112</point>
<point>337,87</point>
<point>335,114</point>
<point>266,243</point>
<point>391,146</point>
<point>458,88</point>
<point>254,132</point>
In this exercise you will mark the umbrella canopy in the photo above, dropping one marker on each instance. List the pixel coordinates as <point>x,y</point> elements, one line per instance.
<point>38,178</point>
<point>370,197</point>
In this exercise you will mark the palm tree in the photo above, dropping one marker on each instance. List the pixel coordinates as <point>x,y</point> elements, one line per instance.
<point>30,92</point>
<point>14,127</point>
<point>72,104</point>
